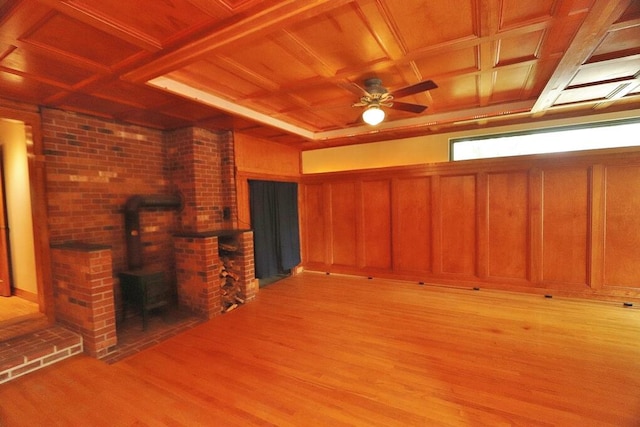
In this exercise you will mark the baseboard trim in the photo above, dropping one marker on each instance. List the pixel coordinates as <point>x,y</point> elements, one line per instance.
<point>29,296</point>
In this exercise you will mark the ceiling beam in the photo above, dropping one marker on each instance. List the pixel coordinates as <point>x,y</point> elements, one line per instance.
<point>253,25</point>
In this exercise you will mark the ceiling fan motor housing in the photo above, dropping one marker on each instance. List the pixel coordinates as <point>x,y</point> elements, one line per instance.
<point>374,86</point>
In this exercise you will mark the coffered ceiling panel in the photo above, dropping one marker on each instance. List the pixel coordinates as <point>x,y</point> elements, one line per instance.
<point>255,61</point>
<point>516,12</point>
<point>585,93</point>
<point>457,92</point>
<point>424,24</point>
<point>607,70</point>
<point>132,95</point>
<point>102,107</point>
<point>156,20</point>
<point>15,86</point>
<point>339,40</point>
<point>292,70</point>
<point>65,36</point>
<point>554,43</point>
<point>452,62</point>
<point>624,39</point>
<point>48,68</point>
<point>219,77</point>
<point>509,84</point>
<point>520,48</point>
<point>541,72</point>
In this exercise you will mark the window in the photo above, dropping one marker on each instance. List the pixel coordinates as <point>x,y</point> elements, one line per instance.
<point>571,138</point>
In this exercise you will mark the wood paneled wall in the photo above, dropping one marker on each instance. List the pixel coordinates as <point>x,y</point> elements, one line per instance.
<point>566,224</point>
<point>261,159</point>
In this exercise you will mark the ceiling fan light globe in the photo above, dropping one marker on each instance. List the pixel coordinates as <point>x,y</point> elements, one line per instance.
<point>373,115</point>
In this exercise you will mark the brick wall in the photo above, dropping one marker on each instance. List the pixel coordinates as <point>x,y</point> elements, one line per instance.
<point>83,294</point>
<point>246,265</point>
<point>197,271</point>
<point>201,167</point>
<point>93,167</point>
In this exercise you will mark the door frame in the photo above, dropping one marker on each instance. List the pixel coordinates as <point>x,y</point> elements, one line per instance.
<point>244,211</point>
<point>5,272</point>
<point>30,116</point>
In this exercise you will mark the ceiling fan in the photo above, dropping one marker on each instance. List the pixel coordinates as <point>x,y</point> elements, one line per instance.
<point>376,96</point>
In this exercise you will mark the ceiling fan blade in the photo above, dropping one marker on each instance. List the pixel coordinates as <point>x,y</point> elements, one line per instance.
<point>354,88</point>
<point>405,106</point>
<point>416,88</point>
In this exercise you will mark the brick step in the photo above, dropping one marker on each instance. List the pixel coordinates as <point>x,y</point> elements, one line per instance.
<point>35,350</point>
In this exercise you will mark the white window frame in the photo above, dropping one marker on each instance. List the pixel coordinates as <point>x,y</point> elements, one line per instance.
<point>590,136</point>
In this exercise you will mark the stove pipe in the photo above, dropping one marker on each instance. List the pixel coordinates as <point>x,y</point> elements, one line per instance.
<point>132,222</point>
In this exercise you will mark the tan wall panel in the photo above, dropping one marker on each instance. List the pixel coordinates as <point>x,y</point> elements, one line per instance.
<point>565,225</point>
<point>458,224</point>
<point>622,241</point>
<point>508,242</point>
<point>376,230</point>
<point>412,224</point>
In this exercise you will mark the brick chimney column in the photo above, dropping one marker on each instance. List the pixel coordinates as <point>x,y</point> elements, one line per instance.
<point>202,169</point>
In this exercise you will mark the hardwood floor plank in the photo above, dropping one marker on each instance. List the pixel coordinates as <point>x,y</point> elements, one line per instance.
<point>343,351</point>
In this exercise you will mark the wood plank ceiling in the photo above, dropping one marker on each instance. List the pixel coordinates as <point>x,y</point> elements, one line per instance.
<point>287,70</point>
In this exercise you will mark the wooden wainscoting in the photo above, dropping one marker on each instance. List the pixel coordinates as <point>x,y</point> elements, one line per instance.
<point>317,350</point>
<point>565,223</point>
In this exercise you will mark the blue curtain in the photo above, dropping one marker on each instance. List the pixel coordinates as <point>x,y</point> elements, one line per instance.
<point>274,219</point>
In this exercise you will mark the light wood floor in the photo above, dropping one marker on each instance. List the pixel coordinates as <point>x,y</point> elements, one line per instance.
<point>335,351</point>
<point>19,316</point>
<point>12,307</point>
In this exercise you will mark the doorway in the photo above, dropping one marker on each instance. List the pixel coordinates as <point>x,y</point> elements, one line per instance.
<point>18,272</point>
<point>276,233</point>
